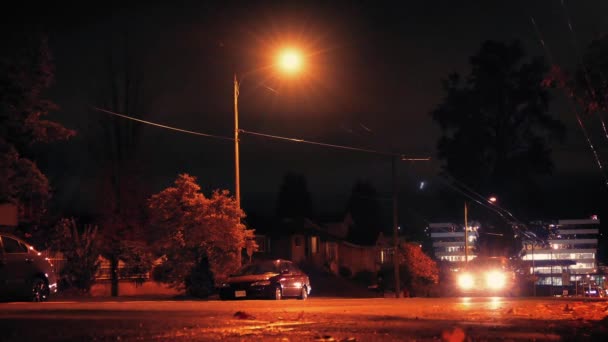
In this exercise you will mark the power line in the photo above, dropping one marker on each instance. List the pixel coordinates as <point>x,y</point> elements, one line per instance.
<point>401,156</point>
<point>342,147</point>
<point>163,126</point>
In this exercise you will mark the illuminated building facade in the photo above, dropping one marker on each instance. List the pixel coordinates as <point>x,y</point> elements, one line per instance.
<point>449,240</point>
<point>569,255</point>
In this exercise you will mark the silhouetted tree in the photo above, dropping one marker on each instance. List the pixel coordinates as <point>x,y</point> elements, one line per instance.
<point>494,123</point>
<point>294,199</point>
<point>26,71</point>
<point>587,87</point>
<point>122,198</point>
<point>364,208</point>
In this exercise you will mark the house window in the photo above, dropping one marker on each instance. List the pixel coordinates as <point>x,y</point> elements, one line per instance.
<point>332,251</point>
<point>314,244</point>
<point>297,241</point>
<point>13,246</point>
<point>385,255</point>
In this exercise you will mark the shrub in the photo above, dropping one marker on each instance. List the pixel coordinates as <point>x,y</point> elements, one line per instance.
<point>81,251</point>
<point>365,278</point>
<point>345,272</point>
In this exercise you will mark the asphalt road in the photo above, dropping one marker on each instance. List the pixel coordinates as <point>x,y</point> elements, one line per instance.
<point>316,319</point>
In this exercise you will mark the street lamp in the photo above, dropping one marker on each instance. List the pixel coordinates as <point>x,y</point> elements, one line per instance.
<point>289,61</point>
<point>491,200</point>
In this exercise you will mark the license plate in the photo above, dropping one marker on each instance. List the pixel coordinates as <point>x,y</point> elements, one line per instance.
<point>238,294</point>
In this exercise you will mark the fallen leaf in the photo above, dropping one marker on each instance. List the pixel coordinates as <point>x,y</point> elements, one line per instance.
<point>456,335</point>
<point>243,315</point>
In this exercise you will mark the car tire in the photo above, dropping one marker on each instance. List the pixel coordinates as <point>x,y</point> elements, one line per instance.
<point>39,290</point>
<point>278,294</point>
<point>303,293</point>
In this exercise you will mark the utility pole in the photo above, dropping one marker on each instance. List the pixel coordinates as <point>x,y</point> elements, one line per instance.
<point>237,171</point>
<point>395,230</point>
<point>466,234</point>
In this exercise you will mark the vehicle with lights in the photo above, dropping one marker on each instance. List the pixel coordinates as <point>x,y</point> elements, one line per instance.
<point>24,272</point>
<point>275,279</point>
<point>486,276</point>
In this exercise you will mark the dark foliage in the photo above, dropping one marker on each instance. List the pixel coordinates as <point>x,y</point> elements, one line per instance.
<point>294,200</point>
<point>26,71</point>
<point>495,126</point>
<point>364,208</point>
<point>200,282</point>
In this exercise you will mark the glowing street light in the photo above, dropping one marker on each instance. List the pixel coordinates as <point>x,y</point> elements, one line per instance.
<point>289,61</point>
<point>492,199</point>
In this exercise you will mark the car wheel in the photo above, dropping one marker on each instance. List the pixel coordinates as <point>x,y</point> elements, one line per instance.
<point>303,293</point>
<point>278,295</point>
<point>40,290</point>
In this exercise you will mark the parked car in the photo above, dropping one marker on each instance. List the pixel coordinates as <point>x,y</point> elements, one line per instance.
<point>24,273</point>
<point>275,279</point>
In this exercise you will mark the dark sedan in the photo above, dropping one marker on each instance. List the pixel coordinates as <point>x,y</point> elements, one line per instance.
<point>273,279</point>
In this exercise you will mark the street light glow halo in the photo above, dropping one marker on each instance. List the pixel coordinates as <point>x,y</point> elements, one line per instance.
<point>290,60</point>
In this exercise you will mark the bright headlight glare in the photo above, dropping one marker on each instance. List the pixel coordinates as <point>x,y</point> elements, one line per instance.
<point>261,283</point>
<point>465,281</point>
<point>495,280</point>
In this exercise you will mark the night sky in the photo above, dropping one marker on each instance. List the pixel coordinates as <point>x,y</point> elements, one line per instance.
<point>373,74</point>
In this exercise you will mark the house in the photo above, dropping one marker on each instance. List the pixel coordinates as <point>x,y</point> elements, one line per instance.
<point>321,246</point>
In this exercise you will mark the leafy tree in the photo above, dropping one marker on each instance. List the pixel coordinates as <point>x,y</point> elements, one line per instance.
<point>197,230</point>
<point>364,208</point>
<point>80,247</point>
<point>138,260</point>
<point>420,269</point>
<point>418,272</point>
<point>588,86</point>
<point>494,123</point>
<point>294,200</point>
<point>26,72</point>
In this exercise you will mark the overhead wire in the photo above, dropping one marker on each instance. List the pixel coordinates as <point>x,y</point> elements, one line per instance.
<point>579,55</point>
<point>572,106</point>
<point>270,136</point>
<point>162,126</point>
<point>481,200</point>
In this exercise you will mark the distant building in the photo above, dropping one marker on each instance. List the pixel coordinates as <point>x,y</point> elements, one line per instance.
<point>569,255</point>
<point>449,241</point>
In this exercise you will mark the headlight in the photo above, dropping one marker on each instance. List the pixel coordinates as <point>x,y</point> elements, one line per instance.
<point>496,280</point>
<point>466,281</point>
<point>261,283</point>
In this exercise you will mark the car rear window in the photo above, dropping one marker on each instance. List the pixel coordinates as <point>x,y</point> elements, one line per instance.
<point>13,246</point>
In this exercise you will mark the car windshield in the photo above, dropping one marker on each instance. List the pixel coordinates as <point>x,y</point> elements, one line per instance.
<point>488,263</point>
<point>259,268</point>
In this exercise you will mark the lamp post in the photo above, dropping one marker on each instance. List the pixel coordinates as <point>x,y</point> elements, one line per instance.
<point>466,234</point>
<point>237,171</point>
<point>289,61</point>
